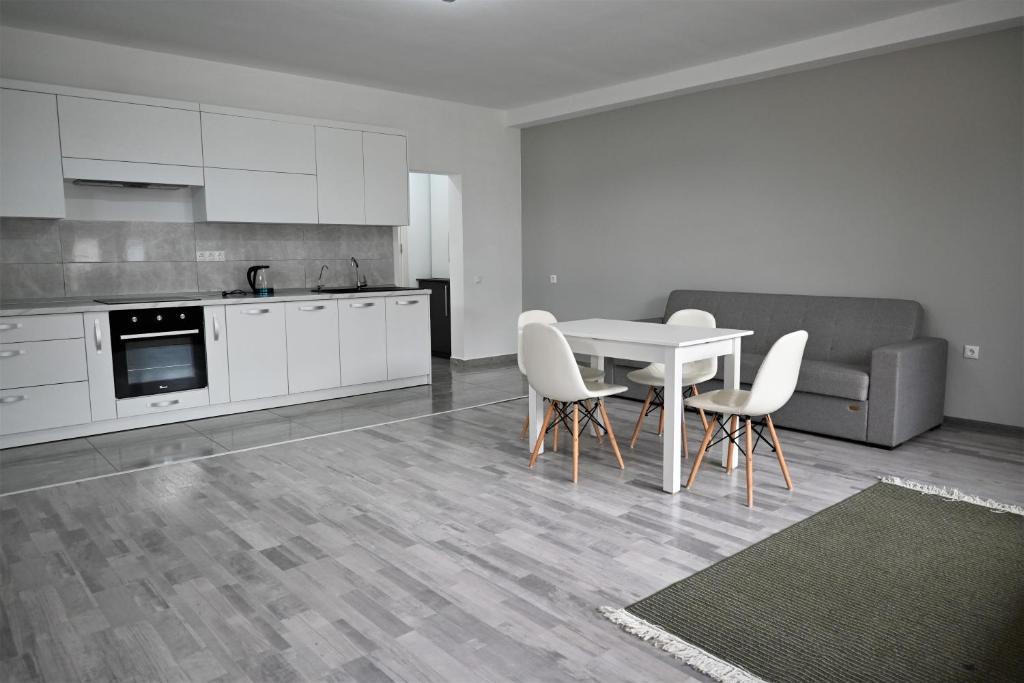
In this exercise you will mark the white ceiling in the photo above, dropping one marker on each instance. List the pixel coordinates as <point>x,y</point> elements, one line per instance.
<point>496,53</point>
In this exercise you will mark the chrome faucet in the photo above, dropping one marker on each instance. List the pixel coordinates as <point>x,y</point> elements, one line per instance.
<point>359,283</point>
<point>319,280</point>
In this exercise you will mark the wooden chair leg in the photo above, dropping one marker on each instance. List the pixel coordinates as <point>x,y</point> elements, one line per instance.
<point>575,441</point>
<point>686,447</point>
<point>554,437</point>
<point>750,465</point>
<point>778,452</point>
<point>700,454</point>
<point>525,431</point>
<point>611,433</point>
<point>703,417</point>
<point>640,420</point>
<point>543,433</point>
<point>734,426</point>
<point>661,420</point>
<point>593,423</point>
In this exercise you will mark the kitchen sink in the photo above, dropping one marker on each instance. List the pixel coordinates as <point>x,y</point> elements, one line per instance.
<point>355,290</point>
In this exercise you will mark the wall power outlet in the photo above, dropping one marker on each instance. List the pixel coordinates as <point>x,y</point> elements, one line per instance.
<point>972,352</point>
<point>209,256</point>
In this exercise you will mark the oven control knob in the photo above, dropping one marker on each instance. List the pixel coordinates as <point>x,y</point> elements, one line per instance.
<point>134,319</point>
<point>159,318</point>
<point>182,316</point>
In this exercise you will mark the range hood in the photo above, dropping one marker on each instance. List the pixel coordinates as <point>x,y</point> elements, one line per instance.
<point>131,174</point>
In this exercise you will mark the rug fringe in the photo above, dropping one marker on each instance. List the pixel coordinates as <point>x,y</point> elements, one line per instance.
<point>953,494</point>
<point>699,659</point>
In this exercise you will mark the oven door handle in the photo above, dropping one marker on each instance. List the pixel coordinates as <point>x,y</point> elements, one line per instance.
<point>151,335</point>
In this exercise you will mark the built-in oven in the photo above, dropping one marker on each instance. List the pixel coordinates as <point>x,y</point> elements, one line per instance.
<point>157,350</point>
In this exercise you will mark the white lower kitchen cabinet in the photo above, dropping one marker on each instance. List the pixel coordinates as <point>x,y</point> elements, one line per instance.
<point>362,330</point>
<point>216,354</point>
<point>257,350</point>
<point>162,403</point>
<point>33,363</point>
<point>100,365</point>
<point>313,346</point>
<point>46,407</point>
<point>408,332</point>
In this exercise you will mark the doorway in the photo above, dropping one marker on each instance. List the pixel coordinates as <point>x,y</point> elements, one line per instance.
<point>424,253</point>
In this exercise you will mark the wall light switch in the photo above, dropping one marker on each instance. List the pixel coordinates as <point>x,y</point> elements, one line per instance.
<point>554,279</point>
<point>209,255</point>
<point>972,352</point>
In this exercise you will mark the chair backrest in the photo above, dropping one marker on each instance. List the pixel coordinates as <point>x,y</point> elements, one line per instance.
<point>776,378</point>
<point>525,318</point>
<point>551,367</point>
<point>694,317</point>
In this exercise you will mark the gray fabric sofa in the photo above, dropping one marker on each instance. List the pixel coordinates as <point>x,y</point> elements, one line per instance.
<point>867,375</point>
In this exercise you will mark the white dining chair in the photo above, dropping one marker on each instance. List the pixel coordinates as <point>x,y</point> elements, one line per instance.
<point>772,388</point>
<point>537,316</point>
<point>553,373</point>
<point>653,376</point>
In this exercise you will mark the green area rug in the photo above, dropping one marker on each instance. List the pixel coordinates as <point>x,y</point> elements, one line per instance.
<point>901,582</point>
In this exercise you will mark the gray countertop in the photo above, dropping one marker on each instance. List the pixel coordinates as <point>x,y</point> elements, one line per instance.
<point>82,304</point>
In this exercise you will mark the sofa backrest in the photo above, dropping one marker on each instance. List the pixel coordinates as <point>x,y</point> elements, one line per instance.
<point>841,329</point>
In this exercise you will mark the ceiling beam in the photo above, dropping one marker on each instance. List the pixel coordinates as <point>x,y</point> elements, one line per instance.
<point>958,19</point>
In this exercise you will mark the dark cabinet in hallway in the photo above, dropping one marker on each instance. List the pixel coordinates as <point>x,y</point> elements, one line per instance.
<point>440,315</point>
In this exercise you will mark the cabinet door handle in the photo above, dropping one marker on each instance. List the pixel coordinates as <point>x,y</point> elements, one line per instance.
<point>165,404</point>
<point>11,354</point>
<point>97,333</point>
<point>446,301</point>
<point>406,302</point>
<point>365,304</point>
<point>311,308</point>
<point>12,399</point>
<point>216,328</point>
<point>257,311</point>
<point>9,326</point>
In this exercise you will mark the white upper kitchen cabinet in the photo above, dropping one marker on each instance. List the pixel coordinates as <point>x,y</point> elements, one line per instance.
<point>257,350</point>
<point>31,181</point>
<point>408,325</point>
<point>313,347</point>
<point>256,197</point>
<point>339,176</point>
<point>362,329</point>
<point>386,174</point>
<point>122,131</point>
<point>256,144</point>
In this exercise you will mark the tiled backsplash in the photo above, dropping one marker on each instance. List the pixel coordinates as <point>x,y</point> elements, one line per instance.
<point>55,258</point>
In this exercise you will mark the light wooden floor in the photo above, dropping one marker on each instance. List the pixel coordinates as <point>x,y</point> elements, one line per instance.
<point>422,550</point>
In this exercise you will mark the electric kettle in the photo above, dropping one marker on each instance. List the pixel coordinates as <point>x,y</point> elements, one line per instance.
<point>259,280</point>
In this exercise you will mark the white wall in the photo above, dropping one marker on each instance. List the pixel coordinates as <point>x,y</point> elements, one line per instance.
<point>893,176</point>
<point>439,225</point>
<point>419,226</point>
<point>444,137</point>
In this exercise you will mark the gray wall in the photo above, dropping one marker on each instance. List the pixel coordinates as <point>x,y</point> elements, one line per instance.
<point>56,258</point>
<point>892,176</point>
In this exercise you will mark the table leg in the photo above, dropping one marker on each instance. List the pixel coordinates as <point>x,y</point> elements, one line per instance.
<point>598,362</point>
<point>673,405</point>
<point>536,412</point>
<point>731,381</point>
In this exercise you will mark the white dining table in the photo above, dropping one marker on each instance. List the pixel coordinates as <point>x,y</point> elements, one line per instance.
<point>672,345</point>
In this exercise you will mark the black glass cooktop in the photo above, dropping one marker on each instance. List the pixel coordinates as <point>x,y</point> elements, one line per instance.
<point>142,299</point>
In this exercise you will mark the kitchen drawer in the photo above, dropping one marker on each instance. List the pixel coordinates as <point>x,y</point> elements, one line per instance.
<point>162,403</point>
<point>24,328</point>
<point>43,362</point>
<point>34,408</point>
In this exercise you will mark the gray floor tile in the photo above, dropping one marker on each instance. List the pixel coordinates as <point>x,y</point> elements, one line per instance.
<point>52,463</point>
<point>154,446</point>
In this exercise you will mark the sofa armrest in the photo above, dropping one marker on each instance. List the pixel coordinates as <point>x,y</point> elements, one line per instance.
<point>907,390</point>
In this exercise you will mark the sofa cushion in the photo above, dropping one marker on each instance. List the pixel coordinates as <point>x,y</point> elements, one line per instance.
<point>842,329</point>
<point>841,380</point>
